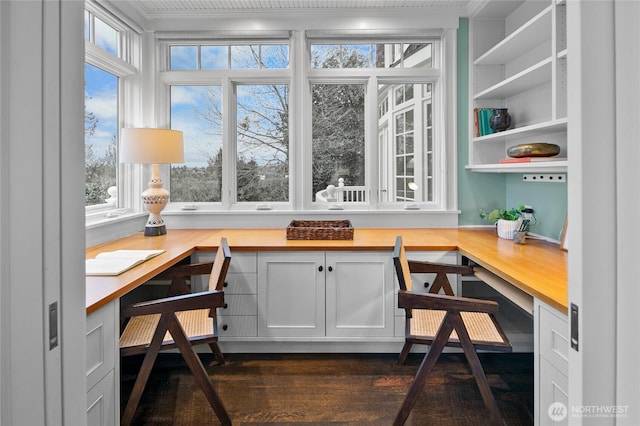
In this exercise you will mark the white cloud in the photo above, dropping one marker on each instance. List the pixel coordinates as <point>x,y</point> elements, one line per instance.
<point>103,105</point>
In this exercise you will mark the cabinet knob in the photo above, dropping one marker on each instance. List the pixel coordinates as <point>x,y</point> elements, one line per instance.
<point>225,306</point>
<point>320,268</point>
<point>330,268</point>
<point>427,284</point>
<point>226,284</point>
<point>225,327</point>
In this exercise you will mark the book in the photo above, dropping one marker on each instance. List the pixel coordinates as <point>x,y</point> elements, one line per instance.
<point>530,159</point>
<point>481,118</point>
<point>476,125</point>
<point>117,262</point>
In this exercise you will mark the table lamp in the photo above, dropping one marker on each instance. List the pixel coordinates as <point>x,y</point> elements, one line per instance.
<point>155,147</point>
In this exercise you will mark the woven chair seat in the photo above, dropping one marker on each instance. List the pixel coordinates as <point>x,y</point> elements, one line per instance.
<point>480,326</point>
<point>139,331</point>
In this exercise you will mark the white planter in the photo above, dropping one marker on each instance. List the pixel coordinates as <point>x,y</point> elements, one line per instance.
<point>506,228</point>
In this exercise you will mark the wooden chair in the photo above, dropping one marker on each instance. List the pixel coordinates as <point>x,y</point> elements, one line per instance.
<point>443,320</point>
<point>181,320</point>
<point>440,283</point>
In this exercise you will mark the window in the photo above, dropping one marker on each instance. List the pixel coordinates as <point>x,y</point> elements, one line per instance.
<point>371,55</point>
<point>410,157</point>
<point>257,171</point>
<point>262,148</point>
<point>368,123</point>
<point>106,73</point>
<point>338,135</point>
<point>234,56</point>
<point>197,111</point>
<point>405,76</point>
<point>100,135</point>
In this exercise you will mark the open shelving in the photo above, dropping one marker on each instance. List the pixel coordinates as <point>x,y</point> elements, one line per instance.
<point>518,61</point>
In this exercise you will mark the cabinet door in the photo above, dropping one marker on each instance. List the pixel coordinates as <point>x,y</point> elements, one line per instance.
<point>359,294</point>
<point>102,343</point>
<point>554,395</point>
<point>291,294</point>
<point>102,366</point>
<point>101,405</point>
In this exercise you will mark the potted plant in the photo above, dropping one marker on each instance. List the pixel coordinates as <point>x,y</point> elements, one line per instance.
<point>507,221</point>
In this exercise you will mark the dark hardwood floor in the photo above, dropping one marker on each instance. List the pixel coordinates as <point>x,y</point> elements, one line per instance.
<point>332,389</point>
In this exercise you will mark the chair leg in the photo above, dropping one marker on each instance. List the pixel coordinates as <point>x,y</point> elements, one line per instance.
<point>425,368</point>
<point>198,371</point>
<point>145,371</point>
<point>405,351</point>
<point>478,372</point>
<point>217,352</point>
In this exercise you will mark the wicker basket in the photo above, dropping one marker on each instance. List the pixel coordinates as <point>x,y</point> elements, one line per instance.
<point>320,230</point>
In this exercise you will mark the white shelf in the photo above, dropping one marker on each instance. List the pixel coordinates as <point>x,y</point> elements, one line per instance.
<point>532,130</point>
<point>535,32</point>
<point>537,92</point>
<point>538,166</point>
<point>527,79</point>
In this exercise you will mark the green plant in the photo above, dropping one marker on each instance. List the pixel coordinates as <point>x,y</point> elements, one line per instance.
<point>511,214</point>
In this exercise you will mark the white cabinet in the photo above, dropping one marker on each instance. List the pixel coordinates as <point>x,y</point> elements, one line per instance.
<point>518,61</point>
<point>551,365</point>
<point>103,390</point>
<point>238,318</point>
<point>291,289</point>
<point>359,294</point>
<point>329,295</point>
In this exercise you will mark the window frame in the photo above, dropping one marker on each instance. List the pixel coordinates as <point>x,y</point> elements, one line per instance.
<point>372,78</point>
<point>228,79</point>
<point>122,67</point>
<point>301,75</point>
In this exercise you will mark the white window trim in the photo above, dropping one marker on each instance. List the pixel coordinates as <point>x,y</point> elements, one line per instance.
<point>372,78</point>
<point>129,45</point>
<point>443,123</point>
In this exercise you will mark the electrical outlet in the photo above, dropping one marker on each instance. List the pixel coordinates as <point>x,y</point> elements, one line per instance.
<point>545,177</point>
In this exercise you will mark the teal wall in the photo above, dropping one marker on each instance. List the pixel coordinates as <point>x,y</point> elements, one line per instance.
<point>488,191</point>
<point>549,202</point>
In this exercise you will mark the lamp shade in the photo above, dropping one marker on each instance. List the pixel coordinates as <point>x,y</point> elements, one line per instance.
<point>151,146</point>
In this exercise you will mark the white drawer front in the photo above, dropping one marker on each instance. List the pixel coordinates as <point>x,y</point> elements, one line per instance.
<point>241,283</point>
<point>237,326</point>
<point>554,341</point>
<point>240,304</point>
<point>240,261</point>
<point>101,343</point>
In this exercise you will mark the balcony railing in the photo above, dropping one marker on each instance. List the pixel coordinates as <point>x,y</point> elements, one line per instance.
<point>342,194</point>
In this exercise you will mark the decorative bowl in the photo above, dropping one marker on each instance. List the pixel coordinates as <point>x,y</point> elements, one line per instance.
<point>535,149</point>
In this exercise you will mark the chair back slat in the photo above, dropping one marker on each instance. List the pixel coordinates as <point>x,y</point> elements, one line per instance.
<point>220,266</point>
<point>403,272</point>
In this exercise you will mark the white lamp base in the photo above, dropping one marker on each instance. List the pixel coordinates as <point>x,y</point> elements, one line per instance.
<point>155,198</point>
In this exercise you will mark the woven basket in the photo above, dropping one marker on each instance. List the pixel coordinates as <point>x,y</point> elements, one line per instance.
<point>320,230</point>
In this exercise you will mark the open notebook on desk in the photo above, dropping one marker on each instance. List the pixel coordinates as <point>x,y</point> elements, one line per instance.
<point>117,262</point>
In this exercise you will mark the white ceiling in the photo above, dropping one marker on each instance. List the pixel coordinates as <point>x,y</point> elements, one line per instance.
<point>155,8</point>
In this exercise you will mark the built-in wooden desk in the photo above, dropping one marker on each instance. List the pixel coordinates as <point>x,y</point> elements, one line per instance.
<point>538,268</point>
<point>178,244</point>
